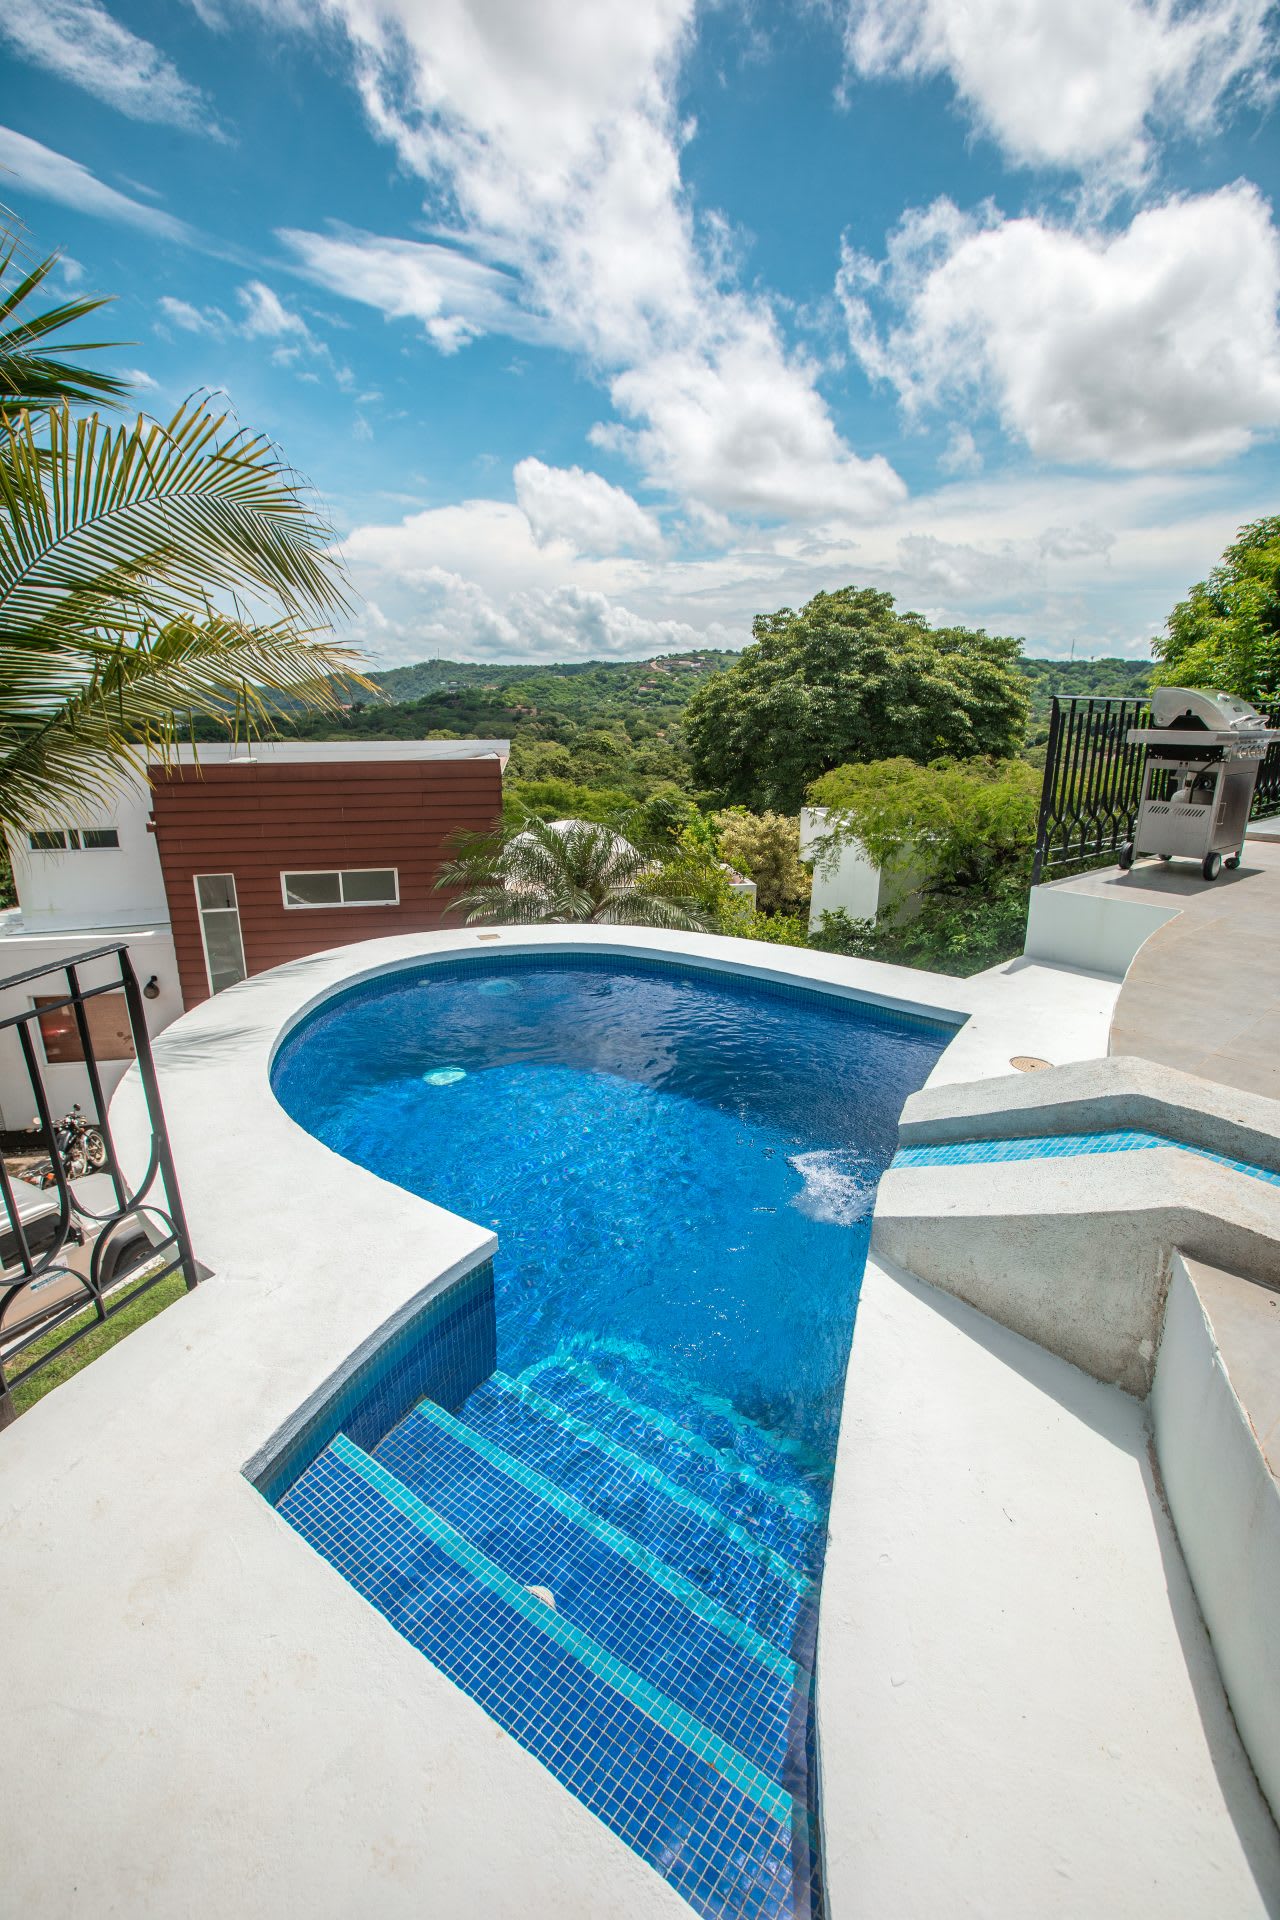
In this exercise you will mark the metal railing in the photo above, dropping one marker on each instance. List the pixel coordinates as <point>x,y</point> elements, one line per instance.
<point>1093,780</point>
<point>129,1246</point>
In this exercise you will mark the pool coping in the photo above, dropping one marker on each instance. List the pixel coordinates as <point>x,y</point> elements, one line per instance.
<point>229,1667</point>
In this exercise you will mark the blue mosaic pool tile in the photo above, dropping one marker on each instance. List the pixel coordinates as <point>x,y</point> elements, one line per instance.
<point>785,1461</point>
<point>783,1510</point>
<point>443,1350</point>
<point>742,1573</point>
<point>626,1600</point>
<point>1064,1146</point>
<point>700,1815</point>
<point>480,966</point>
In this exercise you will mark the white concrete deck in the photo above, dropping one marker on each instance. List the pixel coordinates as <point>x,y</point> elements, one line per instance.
<point>1013,1665</point>
<point>259,1742</point>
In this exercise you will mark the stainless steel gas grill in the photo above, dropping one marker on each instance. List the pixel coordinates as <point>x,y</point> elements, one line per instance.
<point>1203,755</point>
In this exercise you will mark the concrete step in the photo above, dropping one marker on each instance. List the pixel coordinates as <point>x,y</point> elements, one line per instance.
<point>704,1815</point>
<point>641,1611</point>
<point>742,1572</point>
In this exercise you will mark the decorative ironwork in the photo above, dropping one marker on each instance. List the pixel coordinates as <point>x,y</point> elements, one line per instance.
<point>1093,781</point>
<point>131,1246</point>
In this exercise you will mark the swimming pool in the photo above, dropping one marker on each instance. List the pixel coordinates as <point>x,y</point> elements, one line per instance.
<point>614,1538</point>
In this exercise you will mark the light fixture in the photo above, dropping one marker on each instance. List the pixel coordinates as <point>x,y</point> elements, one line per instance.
<point>152,989</point>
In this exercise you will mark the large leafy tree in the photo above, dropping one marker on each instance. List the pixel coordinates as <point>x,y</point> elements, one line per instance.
<point>575,870</point>
<point>846,679</point>
<point>149,572</point>
<point>1226,634</point>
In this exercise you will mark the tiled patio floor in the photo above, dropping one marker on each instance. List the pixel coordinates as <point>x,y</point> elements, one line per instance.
<point>1203,993</point>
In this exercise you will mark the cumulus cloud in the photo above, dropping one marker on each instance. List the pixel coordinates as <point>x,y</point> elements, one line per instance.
<point>52,176</point>
<point>1073,85</point>
<point>582,509</point>
<point>80,42</point>
<point>1070,561</point>
<point>552,136</point>
<point>1153,344</point>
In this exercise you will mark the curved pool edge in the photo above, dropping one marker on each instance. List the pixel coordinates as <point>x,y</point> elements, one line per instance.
<point>293,1748</point>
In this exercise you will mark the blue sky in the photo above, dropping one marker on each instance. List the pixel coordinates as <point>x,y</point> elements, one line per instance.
<point>601,325</point>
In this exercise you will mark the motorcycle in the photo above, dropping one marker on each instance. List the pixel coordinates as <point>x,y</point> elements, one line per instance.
<point>79,1146</point>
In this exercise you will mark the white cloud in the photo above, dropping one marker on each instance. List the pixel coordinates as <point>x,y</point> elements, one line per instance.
<point>961,454</point>
<point>552,135</point>
<point>1155,344</point>
<point>582,509</point>
<point>137,378</point>
<point>80,42</point>
<point>1087,562</point>
<point>1073,83</point>
<point>181,313</point>
<point>453,297</point>
<point>263,316</point>
<point>52,176</point>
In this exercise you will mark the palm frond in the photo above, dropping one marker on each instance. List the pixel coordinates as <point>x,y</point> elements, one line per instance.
<point>142,524</point>
<point>123,713</point>
<point>30,376</point>
<point>538,872</point>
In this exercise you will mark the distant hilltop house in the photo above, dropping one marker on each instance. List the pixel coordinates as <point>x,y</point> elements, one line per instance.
<point>227,862</point>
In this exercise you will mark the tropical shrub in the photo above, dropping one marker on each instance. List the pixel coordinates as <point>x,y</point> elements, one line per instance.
<point>766,848</point>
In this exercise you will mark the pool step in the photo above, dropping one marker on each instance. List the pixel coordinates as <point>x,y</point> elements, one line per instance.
<point>740,1570</point>
<point>749,1446</point>
<point>780,1509</point>
<point>637,1608</point>
<point>616,1741</point>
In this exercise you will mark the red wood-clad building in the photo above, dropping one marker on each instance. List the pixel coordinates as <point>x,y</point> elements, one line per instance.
<point>283,849</point>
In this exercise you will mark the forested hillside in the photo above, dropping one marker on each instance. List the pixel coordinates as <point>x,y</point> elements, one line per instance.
<point>617,723</point>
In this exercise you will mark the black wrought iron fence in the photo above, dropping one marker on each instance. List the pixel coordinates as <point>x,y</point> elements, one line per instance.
<point>74,1250</point>
<point>1093,780</point>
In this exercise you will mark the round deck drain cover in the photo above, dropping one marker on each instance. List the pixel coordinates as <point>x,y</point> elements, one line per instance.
<point>1029,1062</point>
<point>444,1076</point>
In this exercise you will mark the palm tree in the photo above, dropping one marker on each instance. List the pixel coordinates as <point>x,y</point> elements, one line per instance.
<point>147,571</point>
<point>539,871</point>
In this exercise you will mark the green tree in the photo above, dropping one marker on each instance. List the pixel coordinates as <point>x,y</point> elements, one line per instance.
<point>575,871</point>
<point>849,679</point>
<point>1226,634</point>
<point>129,557</point>
<point>766,848</point>
<point>562,800</point>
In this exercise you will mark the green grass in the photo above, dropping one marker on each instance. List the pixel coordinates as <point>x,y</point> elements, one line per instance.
<point>105,1335</point>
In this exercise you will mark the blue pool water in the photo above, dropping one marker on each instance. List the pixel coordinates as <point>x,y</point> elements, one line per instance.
<point>613,1538</point>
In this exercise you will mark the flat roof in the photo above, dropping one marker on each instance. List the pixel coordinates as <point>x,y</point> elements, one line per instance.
<point>298,752</point>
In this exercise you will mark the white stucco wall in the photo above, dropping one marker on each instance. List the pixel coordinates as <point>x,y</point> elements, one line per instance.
<point>1101,931</point>
<point>1222,1492</point>
<point>844,877</point>
<point>98,887</point>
